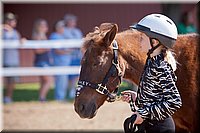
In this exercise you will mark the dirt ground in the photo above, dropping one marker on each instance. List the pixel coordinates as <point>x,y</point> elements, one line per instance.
<point>61,116</point>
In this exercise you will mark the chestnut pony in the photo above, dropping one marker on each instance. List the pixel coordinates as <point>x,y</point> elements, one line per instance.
<point>110,55</point>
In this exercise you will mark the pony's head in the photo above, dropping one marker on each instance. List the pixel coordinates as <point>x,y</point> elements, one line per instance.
<point>100,70</point>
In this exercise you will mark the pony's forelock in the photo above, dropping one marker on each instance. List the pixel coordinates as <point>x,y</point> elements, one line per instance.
<point>95,36</point>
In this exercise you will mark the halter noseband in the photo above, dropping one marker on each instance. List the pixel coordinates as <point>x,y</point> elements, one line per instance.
<point>101,87</point>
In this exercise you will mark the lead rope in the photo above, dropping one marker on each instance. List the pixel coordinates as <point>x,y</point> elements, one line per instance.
<point>129,126</point>
<point>132,105</point>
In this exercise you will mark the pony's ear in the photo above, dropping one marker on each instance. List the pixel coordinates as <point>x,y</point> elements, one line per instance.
<point>110,35</point>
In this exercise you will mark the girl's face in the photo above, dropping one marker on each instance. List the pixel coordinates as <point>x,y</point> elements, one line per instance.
<point>12,23</point>
<point>60,30</point>
<point>144,43</point>
<point>43,27</point>
<point>71,23</point>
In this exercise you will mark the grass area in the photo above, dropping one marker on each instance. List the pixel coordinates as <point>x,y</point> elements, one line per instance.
<point>30,91</point>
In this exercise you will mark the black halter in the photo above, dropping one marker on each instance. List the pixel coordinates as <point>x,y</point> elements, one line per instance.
<point>101,87</point>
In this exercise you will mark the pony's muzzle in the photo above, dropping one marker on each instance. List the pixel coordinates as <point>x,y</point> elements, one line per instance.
<point>86,110</point>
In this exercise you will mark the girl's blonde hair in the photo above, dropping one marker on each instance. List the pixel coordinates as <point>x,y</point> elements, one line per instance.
<point>169,57</point>
<point>36,33</point>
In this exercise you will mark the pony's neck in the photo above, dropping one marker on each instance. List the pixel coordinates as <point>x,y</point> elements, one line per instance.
<point>134,60</point>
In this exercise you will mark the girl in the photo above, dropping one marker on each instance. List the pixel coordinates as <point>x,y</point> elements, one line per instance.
<point>42,56</point>
<point>157,98</point>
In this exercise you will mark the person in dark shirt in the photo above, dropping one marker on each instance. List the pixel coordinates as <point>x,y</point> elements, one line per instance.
<point>42,56</point>
<point>157,98</point>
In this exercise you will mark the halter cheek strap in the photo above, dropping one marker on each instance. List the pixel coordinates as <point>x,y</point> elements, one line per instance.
<point>101,87</point>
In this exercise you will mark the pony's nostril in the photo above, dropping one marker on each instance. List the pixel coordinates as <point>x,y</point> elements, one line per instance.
<point>93,108</point>
<point>81,108</point>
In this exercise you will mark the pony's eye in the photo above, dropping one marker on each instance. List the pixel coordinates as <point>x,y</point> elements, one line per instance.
<point>83,60</point>
<point>95,64</point>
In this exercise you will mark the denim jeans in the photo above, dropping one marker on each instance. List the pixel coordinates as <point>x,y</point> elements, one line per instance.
<point>61,84</point>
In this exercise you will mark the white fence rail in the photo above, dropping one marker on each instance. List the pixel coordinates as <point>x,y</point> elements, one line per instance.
<point>38,71</point>
<point>33,44</point>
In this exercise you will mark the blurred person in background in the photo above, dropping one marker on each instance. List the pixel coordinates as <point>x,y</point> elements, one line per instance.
<point>186,25</point>
<point>42,56</point>
<point>11,57</point>
<point>61,57</point>
<point>72,32</point>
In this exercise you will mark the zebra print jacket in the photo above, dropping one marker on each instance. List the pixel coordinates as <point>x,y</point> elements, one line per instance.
<point>157,96</point>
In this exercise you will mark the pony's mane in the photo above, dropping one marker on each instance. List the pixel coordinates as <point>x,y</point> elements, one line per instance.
<point>128,32</point>
<point>189,34</point>
<point>97,34</point>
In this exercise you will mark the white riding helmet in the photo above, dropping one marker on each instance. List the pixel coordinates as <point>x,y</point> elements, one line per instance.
<point>160,27</point>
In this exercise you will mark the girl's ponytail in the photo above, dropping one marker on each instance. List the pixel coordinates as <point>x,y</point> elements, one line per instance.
<point>170,58</point>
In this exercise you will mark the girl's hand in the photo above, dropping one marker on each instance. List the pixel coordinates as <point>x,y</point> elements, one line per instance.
<point>126,95</point>
<point>22,41</point>
<point>139,119</point>
<point>7,27</point>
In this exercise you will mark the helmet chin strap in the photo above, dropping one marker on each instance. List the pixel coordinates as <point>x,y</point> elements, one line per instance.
<point>152,47</point>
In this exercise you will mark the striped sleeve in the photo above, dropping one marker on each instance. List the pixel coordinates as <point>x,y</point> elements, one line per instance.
<point>170,103</point>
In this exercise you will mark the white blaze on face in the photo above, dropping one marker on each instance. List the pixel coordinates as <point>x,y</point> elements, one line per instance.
<point>103,59</point>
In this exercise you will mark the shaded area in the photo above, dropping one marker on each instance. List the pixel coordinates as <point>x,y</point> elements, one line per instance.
<point>30,91</point>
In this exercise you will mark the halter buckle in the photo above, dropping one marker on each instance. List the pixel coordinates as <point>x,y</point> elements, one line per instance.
<point>101,89</point>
